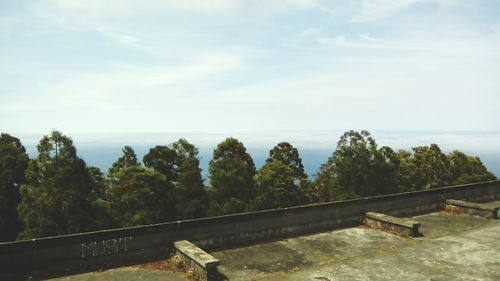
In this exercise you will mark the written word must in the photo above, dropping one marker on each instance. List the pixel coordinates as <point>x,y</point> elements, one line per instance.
<point>109,247</point>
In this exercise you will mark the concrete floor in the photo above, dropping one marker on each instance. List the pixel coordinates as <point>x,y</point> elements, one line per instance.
<point>453,247</point>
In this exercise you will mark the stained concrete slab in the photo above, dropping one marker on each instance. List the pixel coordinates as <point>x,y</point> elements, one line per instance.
<point>126,274</point>
<point>453,247</point>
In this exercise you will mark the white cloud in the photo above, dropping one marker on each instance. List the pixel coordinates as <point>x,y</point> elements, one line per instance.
<point>370,10</point>
<point>365,11</point>
<point>120,37</point>
<point>268,64</point>
<point>97,8</point>
<point>475,45</point>
<point>111,90</point>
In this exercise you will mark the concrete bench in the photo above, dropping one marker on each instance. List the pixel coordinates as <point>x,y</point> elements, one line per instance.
<point>476,209</point>
<point>203,264</point>
<point>392,224</point>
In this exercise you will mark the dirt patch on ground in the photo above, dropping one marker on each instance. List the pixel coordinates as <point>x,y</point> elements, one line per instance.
<point>172,264</point>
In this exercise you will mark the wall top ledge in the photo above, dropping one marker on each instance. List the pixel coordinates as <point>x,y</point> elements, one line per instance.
<point>392,220</point>
<point>473,205</point>
<point>196,254</point>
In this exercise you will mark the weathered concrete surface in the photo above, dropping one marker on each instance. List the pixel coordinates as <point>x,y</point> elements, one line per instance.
<point>453,247</point>
<point>399,226</point>
<point>125,274</point>
<point>472,208</point>
<point>199,256</point>
<point>202,263</point>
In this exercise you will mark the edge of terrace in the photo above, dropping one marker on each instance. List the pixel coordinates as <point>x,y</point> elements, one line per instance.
<point>70,254</point>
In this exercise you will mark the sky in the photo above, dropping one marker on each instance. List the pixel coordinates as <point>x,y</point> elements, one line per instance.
<point>227,66</point>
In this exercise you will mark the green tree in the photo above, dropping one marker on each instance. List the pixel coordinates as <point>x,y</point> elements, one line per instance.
<point>13,163</point>
<point>56,197</point>
<point>357,168</point>
<point>137,196</point>
<point>179,163</point>
<point>192,201</point>
<point>432,167</point>
<point>406,176</point>
<point>467,169</point>
<point>96,197</point>
<point>231,174</point>
<point>184,149</point>
<point>289,155</point>
<point>324,184</point>
<point>127,159</point>
<point>164,160</point>
<point>385,166</point>
<point>276,186</point>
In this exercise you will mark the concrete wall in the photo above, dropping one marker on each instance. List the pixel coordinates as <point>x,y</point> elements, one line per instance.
<point>67,254</point>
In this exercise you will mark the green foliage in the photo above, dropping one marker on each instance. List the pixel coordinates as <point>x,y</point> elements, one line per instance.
<point>184,149</point>
<point>13,163</point>
<point>428,168</point>
<point>179,163</point>
<point>432,167</point>
<point>164,160</point>
<point>467,169</point>
<point>276,186</point>
<point>231,174</point>
<point>406,176</point>
<point>137,195</point>
<point>101,218</point>
<point>357,168</point>
<point>56,193</point>
<point>288,155</point>
<point>192,201</point>
<point>56,198</point>
<point>126,160</point>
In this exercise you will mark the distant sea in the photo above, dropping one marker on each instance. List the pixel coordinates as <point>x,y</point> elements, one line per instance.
<point>101,150</point>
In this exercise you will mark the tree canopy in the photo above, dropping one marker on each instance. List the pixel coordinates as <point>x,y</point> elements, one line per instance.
<point>55,197</point>
<point>276,186</point>
<point>191,200</point>
<point>164,160</point>
<point>288,155</point>
<point>138,196</point>
<point>432,167</point>
<point>231,175</point>
<point>57,193</point>
<point>13,163</point>
<point>357,168</point>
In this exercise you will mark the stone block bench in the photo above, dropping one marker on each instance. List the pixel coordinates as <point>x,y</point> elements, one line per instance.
<point>471,208</point>
<point>392,224</point>
<point>203,264</point>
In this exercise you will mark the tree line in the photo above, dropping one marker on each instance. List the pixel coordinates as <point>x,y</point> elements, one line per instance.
<point>58,193</point>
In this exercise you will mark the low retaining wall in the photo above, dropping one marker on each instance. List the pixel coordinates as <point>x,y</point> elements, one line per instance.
<point>399,226</point>
<point>110,248</point>
<point>203,264</point>
<point>475,209</point>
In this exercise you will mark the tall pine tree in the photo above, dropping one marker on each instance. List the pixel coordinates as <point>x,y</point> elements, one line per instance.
<point>13,163</point>
<point>55,199</point>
